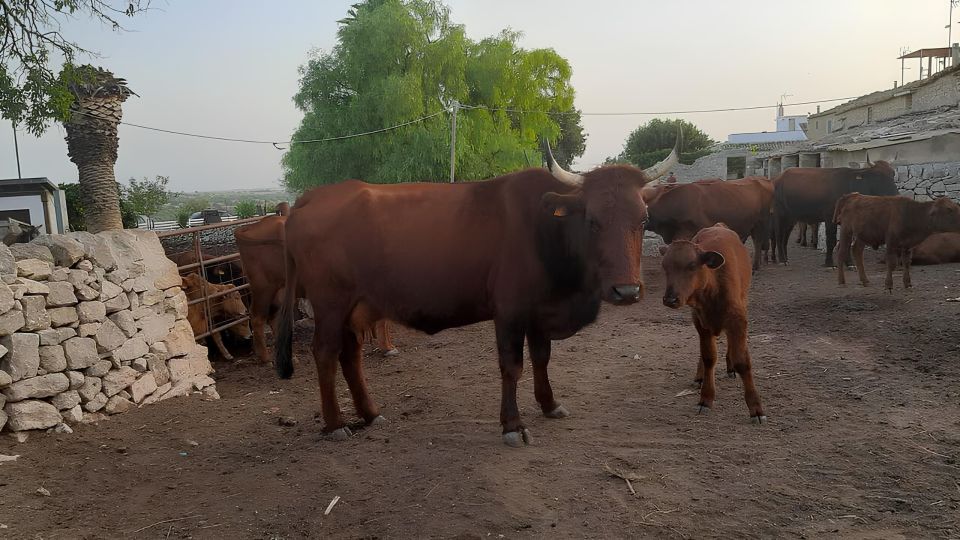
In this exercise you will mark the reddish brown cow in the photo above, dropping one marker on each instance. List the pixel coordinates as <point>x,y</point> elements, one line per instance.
<point>533,251</point>
<point>810,194</point>
<point>678,211</point>
<point>898,222</point>
<point>711,274</point>
<point>261,250</point>
<point>223,308</point>
<point>939,248</point>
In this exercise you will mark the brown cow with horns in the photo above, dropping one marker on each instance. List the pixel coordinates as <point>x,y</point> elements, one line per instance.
<point>533,251</point>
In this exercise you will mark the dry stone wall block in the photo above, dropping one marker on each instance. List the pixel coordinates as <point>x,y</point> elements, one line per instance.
<point>81,352</point>
<point>52,358</point>
<point>31,414</point>
<point>23,355</point>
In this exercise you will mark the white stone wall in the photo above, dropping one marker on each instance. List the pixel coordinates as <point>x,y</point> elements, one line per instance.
<point>929,181</point>
<point>92,325</point>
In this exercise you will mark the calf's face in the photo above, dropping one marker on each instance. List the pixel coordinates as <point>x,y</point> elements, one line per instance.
<point>234,308</point>
<point>687,269</point>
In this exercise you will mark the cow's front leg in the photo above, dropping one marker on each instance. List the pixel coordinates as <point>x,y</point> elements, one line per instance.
<point>218,341</point>
<point>510,350</point>
<point>708,362</point>
<point>540,356</point>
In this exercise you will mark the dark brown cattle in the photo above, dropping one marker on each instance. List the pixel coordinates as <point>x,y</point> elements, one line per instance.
<point>898,222</point>
<point>711,274</point>
<point>533,251</point>
<point>261,250</point>
<point>810,194</point>
<point>679,211</point>
<point>224,308</point>
<point>939,248</point>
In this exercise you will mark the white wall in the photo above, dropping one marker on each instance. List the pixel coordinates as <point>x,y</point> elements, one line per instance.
<point>29,202</point>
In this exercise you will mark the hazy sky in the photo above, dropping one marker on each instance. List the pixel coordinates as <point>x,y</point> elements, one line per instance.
<point>229,68</point>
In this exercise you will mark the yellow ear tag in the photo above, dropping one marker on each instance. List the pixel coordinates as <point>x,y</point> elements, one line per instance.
<point>560,211</point>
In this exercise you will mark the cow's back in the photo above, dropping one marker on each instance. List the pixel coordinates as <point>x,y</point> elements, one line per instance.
<point>740,204</point>
<point>810,194</point>
<point>938,248</point>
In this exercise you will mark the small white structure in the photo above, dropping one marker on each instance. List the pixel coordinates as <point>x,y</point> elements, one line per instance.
<point>36,201</point>
<point>789,129</point>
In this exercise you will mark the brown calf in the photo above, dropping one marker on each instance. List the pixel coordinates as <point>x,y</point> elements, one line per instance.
<point>939,248</point>
<point>711,274</point>
<point>222,308</point>
<point>898,222</point>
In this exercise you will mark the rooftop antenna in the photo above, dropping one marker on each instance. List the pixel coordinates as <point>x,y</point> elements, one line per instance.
<point>949,26</point>
<point>903,65</point>
<point>783,97</point>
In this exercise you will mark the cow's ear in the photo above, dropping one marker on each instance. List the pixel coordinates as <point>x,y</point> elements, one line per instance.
<point>561,206</point>
<point>711,259</point>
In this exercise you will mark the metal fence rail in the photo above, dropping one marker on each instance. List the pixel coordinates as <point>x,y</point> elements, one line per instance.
<point>214,253</point>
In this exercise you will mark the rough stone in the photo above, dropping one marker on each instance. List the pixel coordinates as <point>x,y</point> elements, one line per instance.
<point>118,303</point>
<point>35,313</point>
<point>6,379</point>
<point>172,291</point>
<point>134,300</point>
<point>23,357</point>
<point>63,316</point>
<point>124,394</point>
<point>118,379</point>
<point>85,265</point>
<point>88,329</point>
<point>59,274</point>
<point>6,298</point>
<point>109,291</point>
<point>10,322</point>
<point>125,321</point>
<point>50,336</point>
<point>95,249</point>
<point>29,286</point>
<point>31,414</point>
<point>178,305</point>
<point>182,388</point>
<point>62,427</point>
<point>66,400</point>
<point>76,379</point>
<point>74,415</point>
<point>81,352</point>
<point>195,364</point>
<point>155,397</point>
<point>202,382</point>
<point>65,250</point>
<point>66,333</point>
<point>155,327</point>
<point>180,339</point>
<point>158,366</point>
<point>118,276</point>
<point>151,298</point>
<point>90,388</point>
<point>143,387</point>
<point>37,387</point>
<point>92,311</point>
<point>96,403</point>
<point>99,369</point>
<point>8,264</point>
<point>34,269</point>
<point>134,347</point>
<point>140,364</point>
<point>61,294</point>
<point>210,393</point>
<point>110,337</point>
<point>87,293</point>
<point>52,358</point>
<point>142,312</point>
<point>159,348</point>
<point>22,252</point>
<point>117,405</point>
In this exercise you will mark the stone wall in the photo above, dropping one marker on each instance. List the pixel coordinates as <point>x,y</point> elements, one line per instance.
<point>92,325</point>
<point>929,181</point>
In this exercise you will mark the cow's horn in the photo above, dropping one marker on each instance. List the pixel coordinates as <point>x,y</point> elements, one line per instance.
<point>668,162</point>
<point>869,164</point>
<point>559,172</point>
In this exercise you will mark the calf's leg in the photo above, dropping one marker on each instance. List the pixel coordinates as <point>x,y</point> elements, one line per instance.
<point>906,255</point>
<point>706,369</point>
<point>737,347</point>
<point>539,345</point>
<point>382,330</point>
<point>218,341</point>
<point>893,255</point>
<point>842,249</point>
<point>858,246</point>
<point>831,244</point>
<point>510,351</point>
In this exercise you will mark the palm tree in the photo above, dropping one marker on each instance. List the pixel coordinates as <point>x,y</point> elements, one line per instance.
<point>92,142</point>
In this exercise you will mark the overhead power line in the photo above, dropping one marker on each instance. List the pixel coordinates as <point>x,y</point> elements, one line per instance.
<point>276,143</point>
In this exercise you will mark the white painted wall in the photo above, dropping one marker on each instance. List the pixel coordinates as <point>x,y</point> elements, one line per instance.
<point>29,202</point>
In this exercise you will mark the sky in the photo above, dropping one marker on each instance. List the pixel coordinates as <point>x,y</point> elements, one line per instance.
<point>229,68</point>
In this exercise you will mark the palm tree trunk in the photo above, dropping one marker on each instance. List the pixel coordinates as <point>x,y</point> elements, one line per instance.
<point>98,193</point>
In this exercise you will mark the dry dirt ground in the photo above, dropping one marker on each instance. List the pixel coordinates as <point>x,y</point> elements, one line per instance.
<point>862,390</point>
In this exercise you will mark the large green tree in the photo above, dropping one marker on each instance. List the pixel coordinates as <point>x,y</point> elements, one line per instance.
<point>399,60</point>
<point>33,90</point>
<point>651,142</point>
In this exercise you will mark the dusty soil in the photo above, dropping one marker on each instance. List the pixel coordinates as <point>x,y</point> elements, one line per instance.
<point>862,390</point>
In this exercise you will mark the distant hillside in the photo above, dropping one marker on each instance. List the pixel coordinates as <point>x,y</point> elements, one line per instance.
<point>223,200</point>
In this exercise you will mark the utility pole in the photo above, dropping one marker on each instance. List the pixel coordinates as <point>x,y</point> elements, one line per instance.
<point>455,106</point>
<point>16,149</point>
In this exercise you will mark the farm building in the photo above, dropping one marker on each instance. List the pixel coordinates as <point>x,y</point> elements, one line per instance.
<point>37,201</point>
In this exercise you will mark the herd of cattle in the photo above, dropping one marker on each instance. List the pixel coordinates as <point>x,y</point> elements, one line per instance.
<point>537,251</point>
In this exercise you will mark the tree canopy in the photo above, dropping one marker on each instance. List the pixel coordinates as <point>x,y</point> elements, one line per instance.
<point>400,60</point>
<point>651,142</point>
<point>145,197</point>
<point>32,92</point>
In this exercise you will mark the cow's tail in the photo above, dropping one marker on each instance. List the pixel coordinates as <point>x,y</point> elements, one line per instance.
<point>283,356</point>
<point>841,204</point>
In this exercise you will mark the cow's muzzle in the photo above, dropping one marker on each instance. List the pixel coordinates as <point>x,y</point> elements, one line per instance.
<point>626,294</point>
<point>671,300</point>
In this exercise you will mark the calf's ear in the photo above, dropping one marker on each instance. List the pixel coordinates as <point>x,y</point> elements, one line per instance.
<point>711,259</point>
<point>561,206</point>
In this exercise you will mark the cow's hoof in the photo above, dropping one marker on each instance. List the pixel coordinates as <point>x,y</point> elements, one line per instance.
<point>517,439</point>
<point>392,352</point>
<point>758,420</point>
<point>559,412</point>
<point>703,409</point>
<point>378,420</point>
<point>338,435</point>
